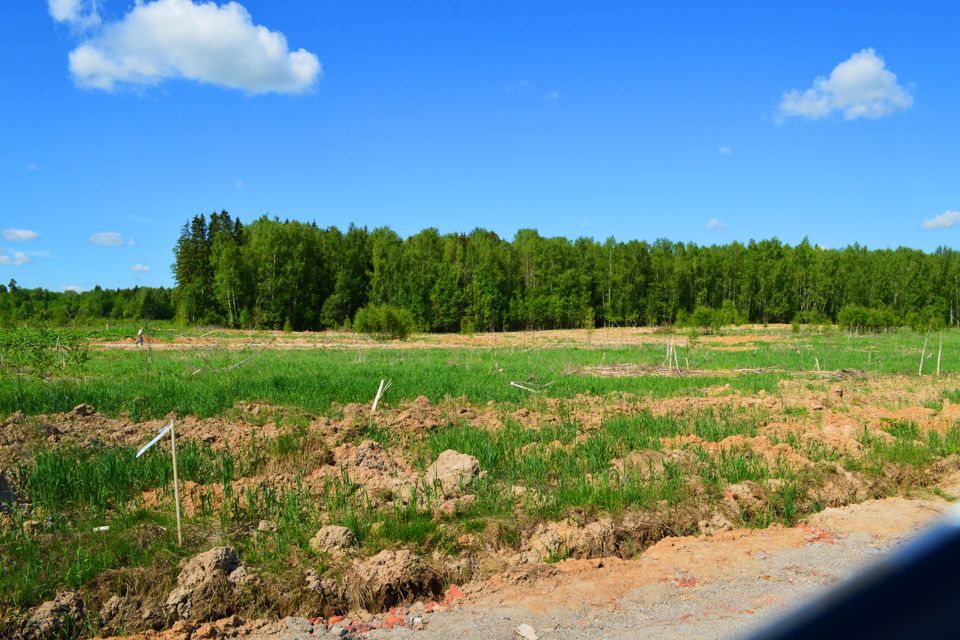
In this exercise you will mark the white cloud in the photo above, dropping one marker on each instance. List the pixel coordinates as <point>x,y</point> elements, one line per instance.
<point>945,220</point>
<point>110,239</point>
<point>81,14</point>
<point>214,44</point>
<point>859,87</point>
<point>714,224</point>
<point>519,85</point>
<point>73,287</point>
<point>33,166</point>
<point>239,184</point>
<point>140,268</point>
<point>725,151</point>
<point>15,259</point>
<point>19,235</point>
<point>553,95</point>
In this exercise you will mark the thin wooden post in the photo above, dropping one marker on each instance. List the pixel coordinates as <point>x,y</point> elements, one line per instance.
<point>176,481</point>
<point>939,353</point>
<point>384,385</point>
<point>376,398</point>
<point>923,353</point>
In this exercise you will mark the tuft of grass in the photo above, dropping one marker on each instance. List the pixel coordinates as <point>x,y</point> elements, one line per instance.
<point>109,477</point>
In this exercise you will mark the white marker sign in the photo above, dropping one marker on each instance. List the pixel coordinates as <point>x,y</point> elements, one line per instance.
<point>176,482</point>
<point>156,439</point>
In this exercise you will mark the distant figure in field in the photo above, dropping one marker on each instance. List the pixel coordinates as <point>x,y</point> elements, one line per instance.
<point>140,337</point>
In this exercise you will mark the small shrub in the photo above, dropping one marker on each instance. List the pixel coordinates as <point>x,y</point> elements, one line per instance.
<point>857,319</point>
<point>706,319</point>
<point>384,321</point>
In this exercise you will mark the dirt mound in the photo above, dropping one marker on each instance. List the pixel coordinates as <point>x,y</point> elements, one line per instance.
<point>646,463</point>
<point>388,578</point>
<point>772,454</point>
<point>86,429</point>
<point>949,412</point>
<point>452,471</point>
<point>372,467</point>
<point>843,433</point>
<point>206,583</point>
<point>744,498</point>
<point>13,418</point>
<point>418,417</point>
<point>881,519</point>
<point>61,615</point>
<point>840,487</point>
<point>567,539</point>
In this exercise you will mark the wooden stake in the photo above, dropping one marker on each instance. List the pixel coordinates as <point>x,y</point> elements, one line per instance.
<point>923,354</point>
<point>384,385</point>
<point>176,481</point>
<point>939,353</point>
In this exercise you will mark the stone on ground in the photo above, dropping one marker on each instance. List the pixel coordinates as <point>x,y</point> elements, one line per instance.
<point>452,470</point>
<point>55,616</point>
<point>332,539</point>
<point>206,583</point>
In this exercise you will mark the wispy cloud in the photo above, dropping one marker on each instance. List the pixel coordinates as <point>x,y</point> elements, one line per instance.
<point>14,259</point>
<point>518,85</point>
<point>79,14</point>
<point>239,184</point>
<point>19,235</point>
<point>945,220</point>
<point>552,95</point>
<point>140,268</point>
<point>714,224</point>
<point>33,166</point>
<point>859,87</point>
<point>725,151</point>
<point>110,239</point>
<point>207,42</point>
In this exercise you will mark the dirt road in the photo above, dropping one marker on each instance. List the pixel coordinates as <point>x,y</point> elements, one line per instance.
<point>720,586</point>
<point>709,587</point>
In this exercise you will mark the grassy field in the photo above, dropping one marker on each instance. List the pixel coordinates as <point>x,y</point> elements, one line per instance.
<point>652,451</point>
<point>148,384</point>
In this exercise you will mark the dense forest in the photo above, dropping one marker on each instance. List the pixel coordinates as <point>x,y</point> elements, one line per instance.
<point>295,275</point>
<point>288,274</point>
<point>20,305</point>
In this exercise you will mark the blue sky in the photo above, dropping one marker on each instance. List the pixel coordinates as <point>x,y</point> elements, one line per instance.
<point>699,122</point>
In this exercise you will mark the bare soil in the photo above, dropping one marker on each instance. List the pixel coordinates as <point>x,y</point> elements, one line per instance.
<point>745,336</point>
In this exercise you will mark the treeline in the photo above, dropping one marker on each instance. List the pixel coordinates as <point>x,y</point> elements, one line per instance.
<point>295,275</point>
<point>20,305</point>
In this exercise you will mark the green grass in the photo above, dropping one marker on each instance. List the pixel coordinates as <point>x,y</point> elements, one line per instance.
<point>151,384</point>
<point>108,477</point>
<point>69,553</point>
<point>313,380</point>
<point>564,470</point>
<point>909,447</point>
